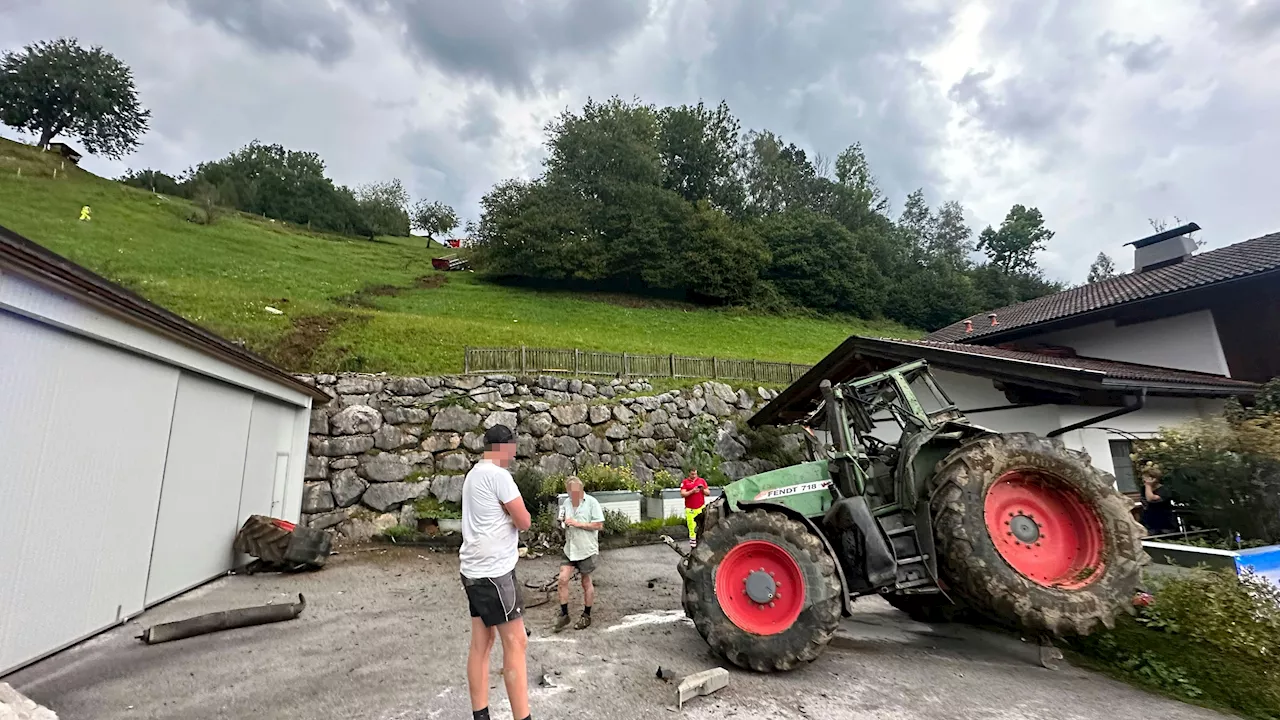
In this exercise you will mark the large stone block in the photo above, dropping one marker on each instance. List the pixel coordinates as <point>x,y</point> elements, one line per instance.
<point>659,416</point>
<point>358,385</point>
<point>580,430</point>
<point>569,414</point>
<point>390,437</point>
<point>555,464</point>
<point>555,396</point>
<point>606,391</point>
<point>567,446</point>
<point>486,395</point>
<point>649,404</point>
<point>454,462</point>
<point>597,444</point>
<point>465,382</point>
<point>526,446</point>
<point>598,414</point>
<point>617,431</point>
<point>540,424</point>
<point>505,418</point>
<point>408,386</point>
<point>317,497</point>
<point>406,415</point>
<point>384,468</point>
<point>663,432</point>
<point>718,407</point>
<point>744,400</point>
<point>645,430</point>
<point>347,487</point>
<point>456,419</point>
<point>343,463</point>
<point>440,442</point>
<point>327,520</point>
<point>448,488</point>
<point>729,448</point>
<point>355,420</point>
<point>473,442</point>
<point>319,421</point>
<point>622,414</point>
<point>388,496</point>
<point>317,468</point>
<point>349,445</point>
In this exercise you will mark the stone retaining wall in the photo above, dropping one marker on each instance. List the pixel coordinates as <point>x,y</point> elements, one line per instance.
<point>383,442</point>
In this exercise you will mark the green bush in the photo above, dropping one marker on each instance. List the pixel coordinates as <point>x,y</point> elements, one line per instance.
<point>654,525</point>
<point>399,532</point>
<point>662,480</point>
<point>430,507</point>
<point>530,482</point>
<point>702,435</point>
<point>546,521</point>
<point>601,478</point>
<point>1227,469</point>
<point>1207,636</point>
<point>616,523</point>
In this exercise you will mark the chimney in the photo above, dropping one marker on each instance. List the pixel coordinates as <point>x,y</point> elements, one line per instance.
<point>968,326</point>
<point>1164,248</point>
<point>994,321</point>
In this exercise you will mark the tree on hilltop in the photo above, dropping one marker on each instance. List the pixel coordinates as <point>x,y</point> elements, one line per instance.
<point>433,218</point>
<point>57,88</point>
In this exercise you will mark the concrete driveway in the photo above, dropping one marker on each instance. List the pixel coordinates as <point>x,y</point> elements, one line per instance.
<point>384,636</point>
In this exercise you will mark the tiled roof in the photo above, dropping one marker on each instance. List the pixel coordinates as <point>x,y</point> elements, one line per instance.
<point>1233,262</point>
<point>1113,369</point>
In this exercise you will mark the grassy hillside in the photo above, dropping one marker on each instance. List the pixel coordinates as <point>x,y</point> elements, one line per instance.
<point>351,303</point>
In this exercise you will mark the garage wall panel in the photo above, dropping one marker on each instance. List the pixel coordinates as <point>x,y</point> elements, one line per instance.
<point>83,430</point>
<point>200,496</point>
<point>267,462</point>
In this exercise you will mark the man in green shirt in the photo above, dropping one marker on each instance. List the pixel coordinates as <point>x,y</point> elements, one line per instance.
<point>581,518</point>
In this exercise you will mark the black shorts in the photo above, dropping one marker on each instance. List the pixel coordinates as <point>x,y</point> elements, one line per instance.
<point>496,601</point>
<point>586,565</point>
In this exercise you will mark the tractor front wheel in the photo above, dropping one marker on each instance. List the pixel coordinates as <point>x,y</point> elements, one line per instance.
<point>1030,533</point>
<point>762,591</point>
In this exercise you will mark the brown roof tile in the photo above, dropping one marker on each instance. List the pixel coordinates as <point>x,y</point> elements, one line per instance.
<point>1252,257</point>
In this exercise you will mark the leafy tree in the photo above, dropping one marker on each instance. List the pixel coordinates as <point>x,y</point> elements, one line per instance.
<point>153,181</point>
<point>952,239</point>
<point>917,225</point>
<point>818,263</point>
<point>1012,248</point>
<point>778,176</point>
<point>700,155</point>
<point>57,87</point>
<point>433,218</point>
<point>1102,268</point>
<point>386,207</point>
<point>853,172</point>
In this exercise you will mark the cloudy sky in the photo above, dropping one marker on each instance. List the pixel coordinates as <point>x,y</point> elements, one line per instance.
<point>1103,113</point>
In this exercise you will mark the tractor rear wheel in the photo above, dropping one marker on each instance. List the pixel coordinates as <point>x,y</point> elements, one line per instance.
<point>762,590</point>
<point>1032,534</point>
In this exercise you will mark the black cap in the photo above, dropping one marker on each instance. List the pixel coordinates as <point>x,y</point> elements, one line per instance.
<point>499,435</point>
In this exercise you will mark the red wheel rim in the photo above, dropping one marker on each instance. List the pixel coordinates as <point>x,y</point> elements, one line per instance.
<point>1044,529</point>
<point>760,587</point>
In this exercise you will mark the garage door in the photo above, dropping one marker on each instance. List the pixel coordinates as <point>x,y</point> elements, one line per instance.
<point>83,431</point>
<point>200,496</point>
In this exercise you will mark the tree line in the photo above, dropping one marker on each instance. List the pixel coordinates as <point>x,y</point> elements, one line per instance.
<point>680,199</point>
<point>291,185</point>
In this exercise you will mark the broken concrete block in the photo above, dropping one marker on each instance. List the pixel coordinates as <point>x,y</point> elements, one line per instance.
<point>16,706</point>
<point>703,683</point>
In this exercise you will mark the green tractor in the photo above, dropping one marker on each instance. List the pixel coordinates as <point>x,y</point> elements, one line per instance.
<point>951,518</point>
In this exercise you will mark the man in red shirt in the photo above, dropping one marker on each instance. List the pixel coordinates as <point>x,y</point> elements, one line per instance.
<point>694,490</point>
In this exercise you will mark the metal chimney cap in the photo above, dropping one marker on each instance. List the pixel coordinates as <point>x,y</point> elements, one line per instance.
<point>1166,235</point>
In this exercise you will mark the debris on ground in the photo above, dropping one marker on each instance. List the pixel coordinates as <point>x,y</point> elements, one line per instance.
<point>16,706</point>
<point>702,683</point>
<point>225,620</point>
<point>666,539</point>
<point>667,674</point>
<point>281,546</point>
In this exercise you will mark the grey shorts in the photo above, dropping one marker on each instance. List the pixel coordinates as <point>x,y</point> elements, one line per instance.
<point>586,565</point>
<point>496,601</point>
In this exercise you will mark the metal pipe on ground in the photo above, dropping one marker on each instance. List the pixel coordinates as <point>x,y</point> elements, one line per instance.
<point>225,620</point>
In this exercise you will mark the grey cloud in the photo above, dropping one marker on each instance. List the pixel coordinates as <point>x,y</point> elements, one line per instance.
<point>313,28</point>
<point>480,121</point>
<point>827,74</point>
<point>1252,22</point>
<point>1019,107</point>
<point>508,43</point>
<point>1135,56</point>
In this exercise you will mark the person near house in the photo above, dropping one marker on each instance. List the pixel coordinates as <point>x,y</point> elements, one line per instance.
<point>582,518</point>
<point>694,490</point>
<point>1157,506</point>
<point>493,514</point>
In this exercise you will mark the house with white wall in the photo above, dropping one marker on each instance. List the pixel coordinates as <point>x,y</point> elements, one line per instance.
<point>1099,365</point>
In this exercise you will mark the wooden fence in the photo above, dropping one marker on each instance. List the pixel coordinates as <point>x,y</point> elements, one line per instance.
<point>528,360</point>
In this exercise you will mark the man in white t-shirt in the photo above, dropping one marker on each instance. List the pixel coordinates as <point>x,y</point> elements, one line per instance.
<point>493,514</point>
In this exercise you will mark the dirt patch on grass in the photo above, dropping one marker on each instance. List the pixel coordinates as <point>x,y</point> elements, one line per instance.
<point>431,282</point>
<point>299,348</point>
<point>363,298</point>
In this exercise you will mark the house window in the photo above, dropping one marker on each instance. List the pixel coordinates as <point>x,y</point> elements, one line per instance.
<point>1126,481</point>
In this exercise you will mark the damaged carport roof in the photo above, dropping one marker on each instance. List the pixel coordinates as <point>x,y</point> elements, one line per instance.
<point>1019,367</point>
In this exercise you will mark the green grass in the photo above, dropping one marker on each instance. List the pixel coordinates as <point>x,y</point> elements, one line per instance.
<point>408,319</point>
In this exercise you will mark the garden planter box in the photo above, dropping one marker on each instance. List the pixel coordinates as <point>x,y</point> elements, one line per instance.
<point>622,501</point>
<point>669,503</point>
<point>1263,561</point>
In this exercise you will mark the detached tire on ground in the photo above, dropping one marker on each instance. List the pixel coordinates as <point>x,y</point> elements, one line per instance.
<point>1031,534</point>
<point>762,590</point>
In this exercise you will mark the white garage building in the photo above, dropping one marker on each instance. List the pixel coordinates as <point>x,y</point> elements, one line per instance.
<point>133,444</point>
